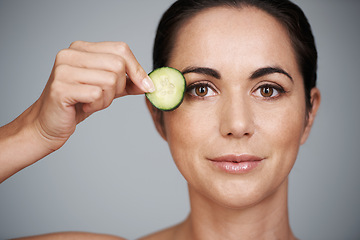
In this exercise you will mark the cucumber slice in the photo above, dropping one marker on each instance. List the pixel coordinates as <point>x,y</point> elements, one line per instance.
<point>169,88</point>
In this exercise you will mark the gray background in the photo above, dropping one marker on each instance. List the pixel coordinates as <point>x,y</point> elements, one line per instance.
<point>115,175</point>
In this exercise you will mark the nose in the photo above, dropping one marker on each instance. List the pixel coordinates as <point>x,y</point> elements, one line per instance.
<point>236,118</point>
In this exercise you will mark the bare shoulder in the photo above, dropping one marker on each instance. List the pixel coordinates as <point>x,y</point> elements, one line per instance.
<point>166,234</point>
<point>163,234</point>
<point>72,236</point>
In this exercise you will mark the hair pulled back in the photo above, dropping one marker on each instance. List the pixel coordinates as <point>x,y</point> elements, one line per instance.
<point>286,12</point>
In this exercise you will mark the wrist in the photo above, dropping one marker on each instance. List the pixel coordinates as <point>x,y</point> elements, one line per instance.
<point>35,132</point>
<point>21,145</point>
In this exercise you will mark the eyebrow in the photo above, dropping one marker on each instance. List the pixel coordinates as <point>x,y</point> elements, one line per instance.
<point>269,70</point>
<point>202,70</point>
<point>256,74</point>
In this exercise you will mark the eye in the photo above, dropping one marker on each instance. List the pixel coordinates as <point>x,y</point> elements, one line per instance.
<point>269,91</point>
<point>201,90</point>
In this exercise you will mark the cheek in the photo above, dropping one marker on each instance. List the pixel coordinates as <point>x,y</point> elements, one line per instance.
<point>186,132</point>
<point>189,125</point>
<point>284,128</point>
<point>281,130</point>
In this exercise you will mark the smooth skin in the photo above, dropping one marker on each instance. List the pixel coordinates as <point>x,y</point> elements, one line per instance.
<point>237,115</point>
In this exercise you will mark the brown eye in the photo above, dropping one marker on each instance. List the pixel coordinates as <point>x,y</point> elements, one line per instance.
<point>269,91</point>
<point>201,91</point>
<point>266,91</point>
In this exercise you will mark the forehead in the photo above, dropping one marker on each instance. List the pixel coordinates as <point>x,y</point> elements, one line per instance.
<point>223,35</point>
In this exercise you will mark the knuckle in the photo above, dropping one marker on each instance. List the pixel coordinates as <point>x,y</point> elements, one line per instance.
<point>118,64</point>
<point>61,70</point>
<point>96,93</point>
<point>76,43</point>
<point>122,48</point>
<point>62,55</point>
<point>111,82</point>
<point>56,90</point>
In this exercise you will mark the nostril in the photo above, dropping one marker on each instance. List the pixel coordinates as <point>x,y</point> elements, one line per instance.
<point>236,124</point>
<point>231,134</point>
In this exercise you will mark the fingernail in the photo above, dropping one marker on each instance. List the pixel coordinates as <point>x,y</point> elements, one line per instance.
<point>148,85</point>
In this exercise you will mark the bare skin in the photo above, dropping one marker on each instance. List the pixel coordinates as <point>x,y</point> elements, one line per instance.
<point>85,78</point>
<point>72,236</point>
<point>238,118</point>
<point>200,224</point>
<point>242,114</point>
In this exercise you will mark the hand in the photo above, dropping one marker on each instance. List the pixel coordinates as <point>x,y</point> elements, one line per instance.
<point>85,78</point>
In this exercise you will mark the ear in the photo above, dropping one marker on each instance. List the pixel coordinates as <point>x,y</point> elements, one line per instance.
<point>315,98</point>
<point>158,118</point>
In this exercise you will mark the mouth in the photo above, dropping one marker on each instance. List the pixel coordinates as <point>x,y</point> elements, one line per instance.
<point>237,164</point>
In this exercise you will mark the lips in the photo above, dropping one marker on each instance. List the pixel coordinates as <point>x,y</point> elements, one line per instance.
<point>232,163</point>
<point>237,158</point>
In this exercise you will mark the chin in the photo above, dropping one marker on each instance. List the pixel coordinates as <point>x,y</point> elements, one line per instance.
<point>237,192</point>
<point>241,199</point>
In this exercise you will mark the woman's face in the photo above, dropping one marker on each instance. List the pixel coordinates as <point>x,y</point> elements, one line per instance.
<point>237,133</point>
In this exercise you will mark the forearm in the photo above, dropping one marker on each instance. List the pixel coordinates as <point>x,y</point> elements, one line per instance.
<point>86,78</point>
<point>21,145</point>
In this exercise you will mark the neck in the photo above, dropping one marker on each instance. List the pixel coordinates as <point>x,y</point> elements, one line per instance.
<point>267,219</point>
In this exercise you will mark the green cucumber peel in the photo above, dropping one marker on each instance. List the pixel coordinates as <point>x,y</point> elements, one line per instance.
<point>170,86</point>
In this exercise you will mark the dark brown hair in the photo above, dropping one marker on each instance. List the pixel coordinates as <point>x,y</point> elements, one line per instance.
<point>286,12</point>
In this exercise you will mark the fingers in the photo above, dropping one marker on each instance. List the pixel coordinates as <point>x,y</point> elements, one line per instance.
<point>109,63</point>
<point>101,61</point>
<point>79,85</point>
<point>125,60</point>
<point>91,75</point>
<point>86,78</point>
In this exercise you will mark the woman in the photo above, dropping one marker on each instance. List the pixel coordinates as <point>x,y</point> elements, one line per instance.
<point>250,68</point>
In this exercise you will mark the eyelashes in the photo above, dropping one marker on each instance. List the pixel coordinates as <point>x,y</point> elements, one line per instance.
<point>269,91</point>
<point>204,89</point>
<point>201,89</point>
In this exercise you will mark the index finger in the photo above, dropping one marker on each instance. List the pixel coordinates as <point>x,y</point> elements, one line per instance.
<point>132,67</point>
